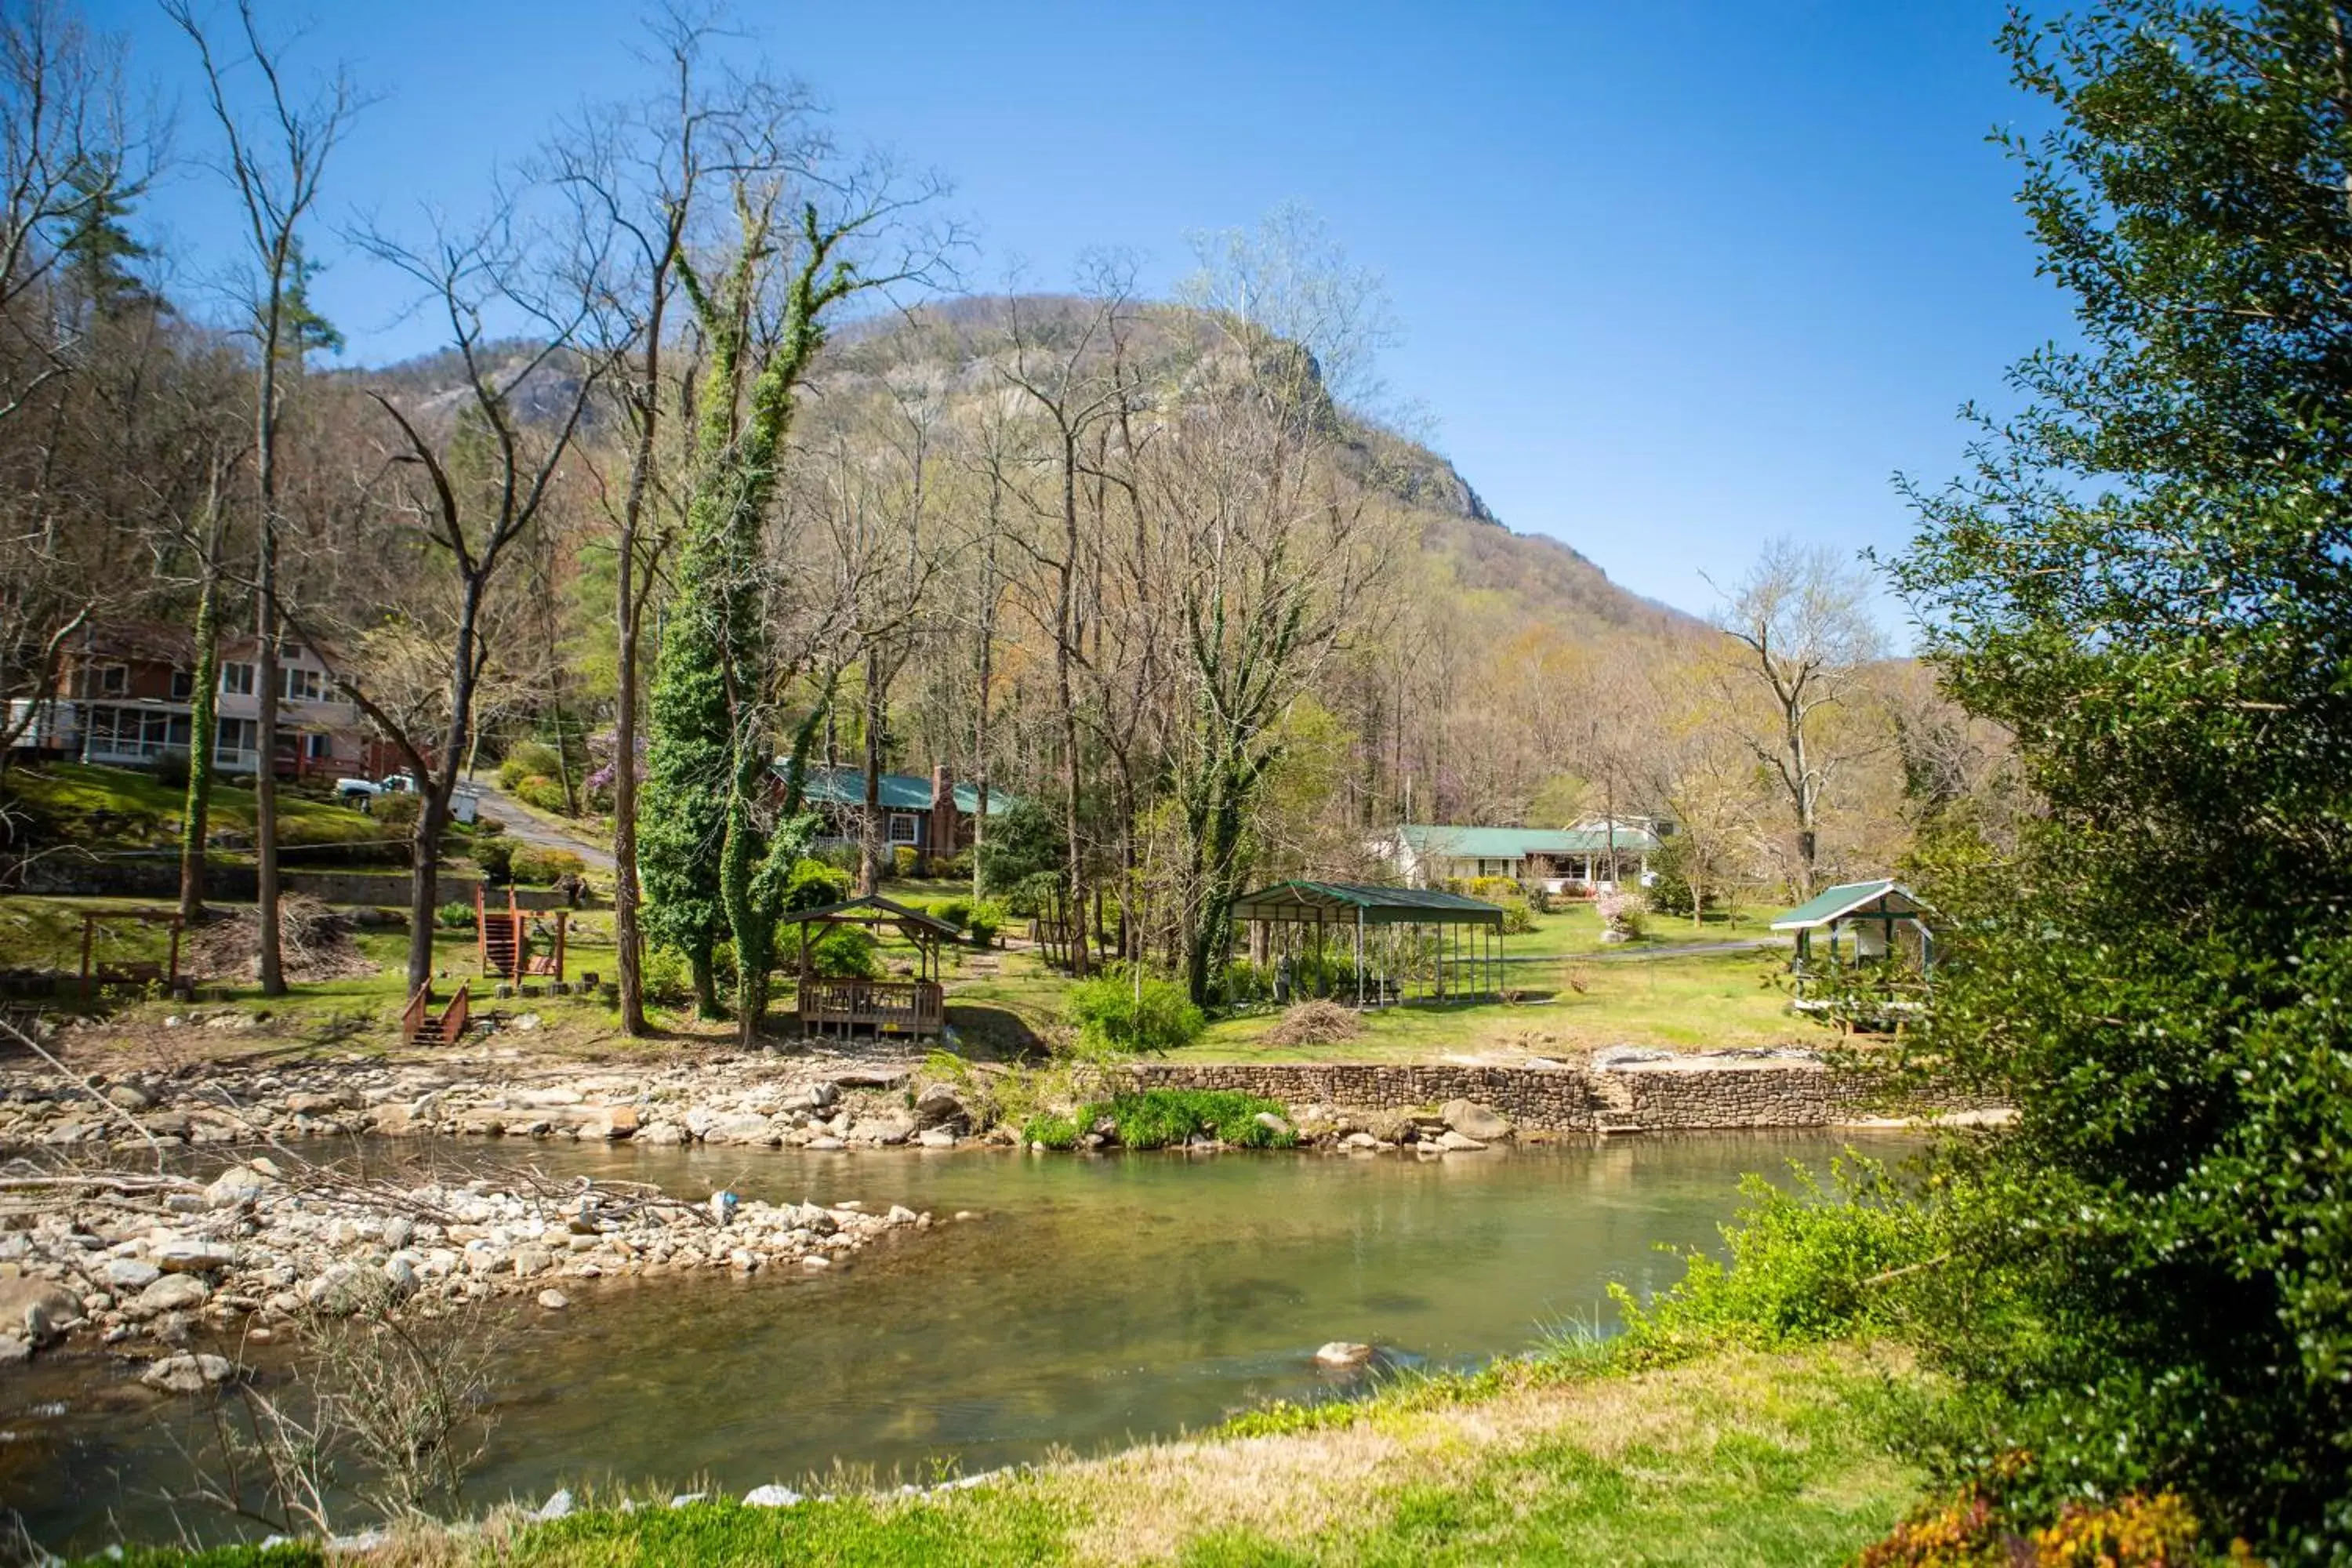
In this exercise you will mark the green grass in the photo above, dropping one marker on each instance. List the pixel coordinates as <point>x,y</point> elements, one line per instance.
<point>1689,1002</point>
<point>1575,930</point>
<point>123,809</point>
<point>1167,1119</point>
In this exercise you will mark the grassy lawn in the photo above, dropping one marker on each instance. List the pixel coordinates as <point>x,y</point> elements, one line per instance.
<point>123,809</point>
<point>1695,1002</point>
<point>1740,1458</point>
<point>1576,931</point>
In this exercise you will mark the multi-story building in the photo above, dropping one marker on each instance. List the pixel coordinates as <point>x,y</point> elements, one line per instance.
<point>125,694</point>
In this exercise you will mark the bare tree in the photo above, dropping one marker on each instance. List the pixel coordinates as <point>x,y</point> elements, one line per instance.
<point>1800,620</point>
<point>276,158</point>
<point>473,491</point>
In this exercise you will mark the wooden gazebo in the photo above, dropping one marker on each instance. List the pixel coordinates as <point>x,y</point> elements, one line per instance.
<point>1371,946</point>
<point>1876,923</point>
<point>842,1006</point>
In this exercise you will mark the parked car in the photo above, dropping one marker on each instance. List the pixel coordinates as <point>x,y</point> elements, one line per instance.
<point>360,791</point>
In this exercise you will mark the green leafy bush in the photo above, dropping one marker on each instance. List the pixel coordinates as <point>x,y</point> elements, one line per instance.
<point>1171,1117</point>
<point>454,917</point>
<point>1052,1130</point>
<point>398,813</point>
<point>1031,895</point>
<point>905,861</point>
<point>666,976</point>
<point>1517,919</point>
<point>495,855</point>
<point>543,791</point>
<point>987,918</point>
<point>526,759</point>
<point>533,864</point>
<point>1494,890</point>
<point>953,911</point>
<point>815,885</point>
<point>1022,841</point>
<point>1805,1265</point>
<point>845,952</point>
<point>1119,1012</point>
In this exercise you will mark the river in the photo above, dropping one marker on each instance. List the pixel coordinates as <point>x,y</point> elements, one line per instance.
<point>1093,1301</point>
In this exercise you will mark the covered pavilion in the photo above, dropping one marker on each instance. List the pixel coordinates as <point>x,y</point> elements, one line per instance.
<point>1371,946</point>
<point>843,1006</point>
<point>1877,921</point>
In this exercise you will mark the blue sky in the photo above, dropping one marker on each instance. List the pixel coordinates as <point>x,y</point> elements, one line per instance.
<point>1673,278</point>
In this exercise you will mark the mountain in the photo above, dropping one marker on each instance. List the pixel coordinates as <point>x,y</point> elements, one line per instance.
<point>955,347</point>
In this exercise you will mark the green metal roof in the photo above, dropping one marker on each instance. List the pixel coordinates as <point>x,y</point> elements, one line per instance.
<point>900,792</point>
<point>1516,843</point>
<point>1847,898</point>
<point>1376,906</point>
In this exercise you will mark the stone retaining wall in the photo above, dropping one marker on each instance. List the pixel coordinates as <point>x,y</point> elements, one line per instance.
<point>1686,1095</point>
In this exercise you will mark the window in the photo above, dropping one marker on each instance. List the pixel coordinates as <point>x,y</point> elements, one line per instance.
<point>318,748</point>
<point>905,830</point>
<point>298,685</point>
<point>183,685</point>
<point>236,681</point>
<point>113,680</point>
<point>237,739</point>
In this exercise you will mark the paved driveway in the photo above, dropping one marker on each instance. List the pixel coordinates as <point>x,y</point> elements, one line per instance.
<point>534,828</point>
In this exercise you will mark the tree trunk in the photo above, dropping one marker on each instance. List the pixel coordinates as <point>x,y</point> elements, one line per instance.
<point>871,821</point>
<point>626,963</point>
<point>196,824</point>
<point>1074,868</point>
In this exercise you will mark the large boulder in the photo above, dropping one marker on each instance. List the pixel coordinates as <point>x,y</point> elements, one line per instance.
<point>942,1106</point>
<point>1475,1121</point>
<point>173,1293</point>
<point>38,1307</point>
<point>234,1187</point>
<point>740,1127</point>
<point>886,1129</point>
<point>187,1373</point>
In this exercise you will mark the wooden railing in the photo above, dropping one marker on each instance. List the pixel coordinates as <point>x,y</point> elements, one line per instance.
<point>412,1018</point>
<point>456,1016</point>
<point>905,1006</point>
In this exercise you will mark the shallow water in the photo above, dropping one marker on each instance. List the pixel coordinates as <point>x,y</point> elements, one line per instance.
<point>1093,1301</point>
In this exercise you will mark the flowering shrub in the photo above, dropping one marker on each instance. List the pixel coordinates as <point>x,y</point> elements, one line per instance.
<point>2133,1532</point>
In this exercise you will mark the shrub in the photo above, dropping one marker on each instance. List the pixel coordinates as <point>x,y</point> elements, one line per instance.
<point>454,916</point>
<point>1119,1012</point>
<point>1517,919</point>
<point>666,976</point>
<point>1170,1118</point>
<point>1805,1265</point>
<point>1972,1530</point>
<point>986,921</point>
<point>814,885</point>
<point>532,863</point>
<point>545,793</point>
<point>1494,890</point>
<point>1052,1130</point>
<point>171,769</point>
<point>954,911</point>
<point>905,861</point>
<point>1033,894</point>
<point>526,759</point>
<point>398,812</point>
<point>840,856</point>
<point>1621,915</point>
<point>1022,841</point>
<point>1316,1024</point>
<point>845,952</point>
<point>495,855</point>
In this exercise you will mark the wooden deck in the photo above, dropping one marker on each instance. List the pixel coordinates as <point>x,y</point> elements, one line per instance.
<point>885,1006</point>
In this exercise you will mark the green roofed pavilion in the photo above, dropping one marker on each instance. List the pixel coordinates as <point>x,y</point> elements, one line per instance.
<point>1370,946</point>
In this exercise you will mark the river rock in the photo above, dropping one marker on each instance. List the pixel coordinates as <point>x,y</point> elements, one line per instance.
<point>826,1144</point>
<point>936,1137</point>
<point>532,1260</point>
<point>1363,1140</point>
<point>130,1273</point>
<point>1274,1124</point>
<point>39,1306</point>
<point>741,1127</point>
<point>610,1122</point>
<point>557,1507</point>
<point>237,1185</point>
<point>883,1129</point>
<point>127,1097</point>
<point>555,1301</point>
<point>1343,1353</point>
<point>1475,1121</point>
<point>1454,1143</point>
<point>188,1373</point>
<point>870,1078</point>
<point>661,1135</point>
<point>942,1106</point>
<point>771,1496</point>
<point>184,1255</point>
<point>399,1275</point>
<point>174,1293</point>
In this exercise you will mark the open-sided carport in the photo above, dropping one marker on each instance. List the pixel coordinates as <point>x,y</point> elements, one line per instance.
<point>1370,946</point>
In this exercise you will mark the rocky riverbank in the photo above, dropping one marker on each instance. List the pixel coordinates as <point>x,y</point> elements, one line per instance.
<point>146,1260</point>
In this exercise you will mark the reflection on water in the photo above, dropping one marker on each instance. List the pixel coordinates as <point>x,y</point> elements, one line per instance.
<point>1093,1301</point>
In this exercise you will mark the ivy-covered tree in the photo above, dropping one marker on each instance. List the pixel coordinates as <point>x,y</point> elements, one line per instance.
<point>2147,578</point>
<point>717,848</point>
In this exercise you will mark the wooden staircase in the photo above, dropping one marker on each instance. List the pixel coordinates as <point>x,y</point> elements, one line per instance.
<point>420,1026</point>
<point>498,939</point>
